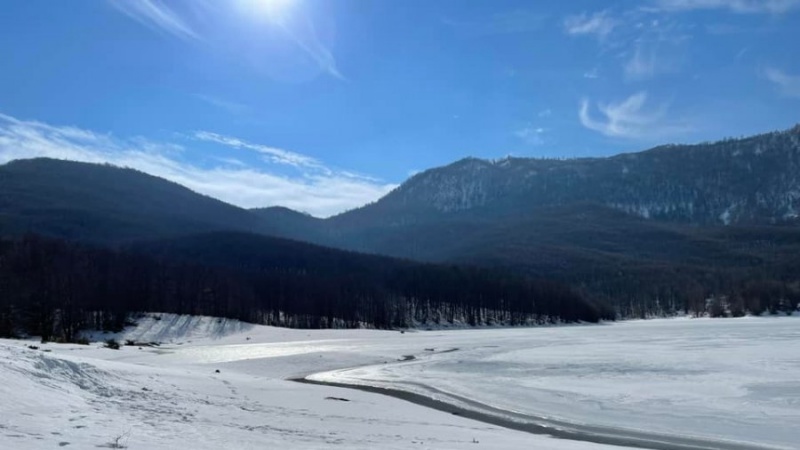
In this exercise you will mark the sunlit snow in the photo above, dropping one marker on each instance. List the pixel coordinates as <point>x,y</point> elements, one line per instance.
<point>734,380</point>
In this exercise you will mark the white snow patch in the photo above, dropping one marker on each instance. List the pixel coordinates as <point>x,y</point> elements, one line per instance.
<point>725,217</point>
<point>173,328</point>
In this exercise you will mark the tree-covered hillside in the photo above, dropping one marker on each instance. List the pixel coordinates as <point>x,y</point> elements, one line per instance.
<point>54,288</point>
<point>103,203</point>
<point>649,233</point>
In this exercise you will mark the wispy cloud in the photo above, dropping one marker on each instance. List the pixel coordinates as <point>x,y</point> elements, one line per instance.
<point>187,24</point>
<point>531,135</point>
<point>275,155</point>
<point>229,106</point>
<point>642,64</point>
<point>630,119</point>
<point>737,6</point>
<point>599,24</point>
<point>309,42</point>
<point>789,85</point>
<point>506,22</point>
<point>651,46</point>
<point>318,190</point>
<point>156,15</point>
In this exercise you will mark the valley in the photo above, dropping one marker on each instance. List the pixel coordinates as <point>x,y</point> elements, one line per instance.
<point>408,224</point>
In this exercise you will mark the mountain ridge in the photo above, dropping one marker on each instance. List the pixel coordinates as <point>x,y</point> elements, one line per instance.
<point>107,203</point>
<point>668,226</point>
<point>472,183</point>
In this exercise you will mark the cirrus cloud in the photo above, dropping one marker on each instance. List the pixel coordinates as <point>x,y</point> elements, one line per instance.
<point>789,85</point>
<point>599,24</point>
<point>184,19</point>
<point>631,118</point>
<point>313,188</point>
<point>737,6</point>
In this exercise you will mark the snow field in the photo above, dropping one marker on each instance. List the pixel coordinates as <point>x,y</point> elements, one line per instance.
<point>736,380</point>
<point>170,396</point>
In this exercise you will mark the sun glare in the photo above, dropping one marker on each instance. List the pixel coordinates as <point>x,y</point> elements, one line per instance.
<point>271,8</point>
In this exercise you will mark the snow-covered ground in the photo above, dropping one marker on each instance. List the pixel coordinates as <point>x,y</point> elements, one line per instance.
<point>733,379</point>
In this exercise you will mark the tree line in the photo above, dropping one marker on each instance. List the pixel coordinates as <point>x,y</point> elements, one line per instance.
<point>54,288</point>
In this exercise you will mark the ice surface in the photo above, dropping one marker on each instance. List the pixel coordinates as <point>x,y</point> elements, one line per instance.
<point>736,379</point>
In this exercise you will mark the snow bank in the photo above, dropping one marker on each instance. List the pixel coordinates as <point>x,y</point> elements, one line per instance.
<point>174,328</point>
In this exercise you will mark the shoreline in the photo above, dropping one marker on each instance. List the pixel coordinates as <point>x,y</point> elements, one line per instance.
<point>544,426</point>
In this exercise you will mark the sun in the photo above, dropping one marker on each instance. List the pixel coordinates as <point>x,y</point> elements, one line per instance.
<point>271,8</point>
<point>275,5</point>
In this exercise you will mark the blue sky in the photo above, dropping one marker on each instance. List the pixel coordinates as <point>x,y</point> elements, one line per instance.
<point>324,105</point>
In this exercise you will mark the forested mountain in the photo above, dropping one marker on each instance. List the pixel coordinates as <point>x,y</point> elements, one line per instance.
<point>54,288</point>
<point>753,180</point>
<point>654,232</point>
<point>651,232</point>
<point>292,224</point>
<point>104,203</point>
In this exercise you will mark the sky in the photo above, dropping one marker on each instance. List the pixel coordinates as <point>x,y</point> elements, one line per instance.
<point>325,105</point>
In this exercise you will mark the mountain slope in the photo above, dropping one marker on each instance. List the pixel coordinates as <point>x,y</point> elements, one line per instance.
<point>54,288</point>
<point>285,222</point>
<point>105,203</point>
<point>672,225</point>
<point>754,180</point>
<point>654,231</point>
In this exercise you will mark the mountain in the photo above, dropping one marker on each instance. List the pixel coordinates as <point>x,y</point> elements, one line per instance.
<point>286,222</point>
<point>750,182</point>
<point>120,241</point>
<point>754,180</point>
<point>103,203</point>
<point>645,231</point>
<point>650,232</point>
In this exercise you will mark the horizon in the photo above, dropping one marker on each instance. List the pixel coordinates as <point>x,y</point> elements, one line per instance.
<point>323,107</point>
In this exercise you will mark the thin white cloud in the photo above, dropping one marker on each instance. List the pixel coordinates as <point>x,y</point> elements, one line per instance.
<point>531,135</point>
<point>545,113</point>
<point>318,192</point>
<point>592,74</point>
<point>156,15</point>
<point>161,15</point>
<point>229,106</point>
<point>275,155</point>
<point>788,84</point>
<point>737,6</point>
<point>642,64</point>
<point>630,119</point>
<point>309,42</point>
<point>230,161</point>
<point>599,24</point>
<point>651,47</point>
<point>505,22</point>
<point>740,54</point>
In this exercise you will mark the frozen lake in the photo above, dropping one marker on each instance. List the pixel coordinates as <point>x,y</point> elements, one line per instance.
<point>734,380</point>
